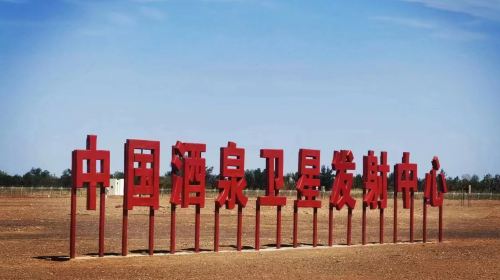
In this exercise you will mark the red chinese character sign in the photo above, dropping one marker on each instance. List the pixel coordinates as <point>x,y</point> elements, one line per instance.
<point>142,183</point>
<point>342,162</point>
<point>231,184</point>
<point>405,181</point>
<point>90,168</point>
<point>374,189</point>
<point>274,171</point>
<point>434,190</point>
<point>188,185</point>
<point>307,190</point>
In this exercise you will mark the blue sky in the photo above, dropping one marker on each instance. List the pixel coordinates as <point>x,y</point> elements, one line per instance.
<point>420,76</point>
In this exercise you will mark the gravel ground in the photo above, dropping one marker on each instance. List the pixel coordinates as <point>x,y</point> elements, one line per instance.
<point>34,234</point>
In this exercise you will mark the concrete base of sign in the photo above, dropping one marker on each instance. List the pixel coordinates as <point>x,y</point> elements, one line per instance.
<point>249,251</point>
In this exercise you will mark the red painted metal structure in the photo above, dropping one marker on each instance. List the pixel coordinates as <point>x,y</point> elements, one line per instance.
<point>405,181</point>
<point>188,185</point>
<point>142,184</point>
<point>374,189</point>
<point>90,168</point>
<point>307,191</point>
<point>274,167</point>
<point>341,190</point>
<point>434,191</point>
<point>231,184</point>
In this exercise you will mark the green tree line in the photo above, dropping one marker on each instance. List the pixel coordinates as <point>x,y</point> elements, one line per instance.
<point>256,179</point>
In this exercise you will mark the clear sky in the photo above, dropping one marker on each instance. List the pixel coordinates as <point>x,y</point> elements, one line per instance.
<point>420,76</point>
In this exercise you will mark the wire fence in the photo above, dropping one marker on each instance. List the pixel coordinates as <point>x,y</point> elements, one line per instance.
<point>212,193</point>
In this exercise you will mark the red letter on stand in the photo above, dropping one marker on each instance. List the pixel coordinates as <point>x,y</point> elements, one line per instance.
<point>231,185</point>
<point>307,190</point>
<point>142,183</point>
<point>341,190</point>
<point>405,181</point>
<point>374,189</point>
<point>274,171</point>
<point>188,185</point>
<point>90,168</point>
<point>434,191</point>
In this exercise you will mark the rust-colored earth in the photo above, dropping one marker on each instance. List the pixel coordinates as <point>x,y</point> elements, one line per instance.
<point>34,242</point>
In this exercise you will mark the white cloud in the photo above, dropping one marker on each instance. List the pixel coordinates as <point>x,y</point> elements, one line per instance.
<point>485,9</point>
<point>121,19</point>
<point>409,22</point>
<point>148,1</point>
<point>225,1</point>
<point>94,32</point>
<point>459,34</point>
<point>435,29</point>
<point>263,3</point>
<point>14,1</point>
<point>153,13</point>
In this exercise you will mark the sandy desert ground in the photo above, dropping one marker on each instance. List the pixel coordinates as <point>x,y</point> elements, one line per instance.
<point>34,234</point>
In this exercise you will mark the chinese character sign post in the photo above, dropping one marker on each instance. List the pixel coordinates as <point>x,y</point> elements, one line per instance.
<point>274,171</point>
<point>188,185</point>
<point>307,190</point>
<point>142,184</point>
<point>374,189</point>
<point>90,168</point>
<point>434,190</point>
<point>231,184</point>
<point>342,162</point>
<point>405,181</point>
